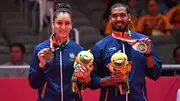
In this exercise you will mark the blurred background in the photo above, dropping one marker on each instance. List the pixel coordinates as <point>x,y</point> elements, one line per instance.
<point>28,22</point>
<point>25,23</point>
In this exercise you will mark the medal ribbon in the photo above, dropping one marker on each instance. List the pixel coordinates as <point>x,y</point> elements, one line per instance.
<point>54,42</point>
<point>126,37</point>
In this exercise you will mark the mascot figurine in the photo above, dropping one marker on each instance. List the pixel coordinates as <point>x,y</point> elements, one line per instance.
<point>83,59</point>
<point>119,62</point>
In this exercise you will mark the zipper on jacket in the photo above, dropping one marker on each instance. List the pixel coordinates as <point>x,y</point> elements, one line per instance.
<point>61,75</point>
<point>123,47</point>
<point>144,94</point>
<point>44,90</point>
<point>124,51</point>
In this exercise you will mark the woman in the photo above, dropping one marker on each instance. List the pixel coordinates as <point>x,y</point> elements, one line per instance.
<point>52,66</point>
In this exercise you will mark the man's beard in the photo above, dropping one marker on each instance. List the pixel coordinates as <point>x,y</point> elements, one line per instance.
<point>120,29</point>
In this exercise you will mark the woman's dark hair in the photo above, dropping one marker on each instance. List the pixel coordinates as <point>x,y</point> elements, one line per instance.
<point>62,7</point>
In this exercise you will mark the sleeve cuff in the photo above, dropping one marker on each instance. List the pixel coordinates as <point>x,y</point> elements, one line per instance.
<point>42,70</point>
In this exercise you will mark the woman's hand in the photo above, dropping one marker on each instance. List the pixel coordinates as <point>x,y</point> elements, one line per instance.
<point>44,55</point>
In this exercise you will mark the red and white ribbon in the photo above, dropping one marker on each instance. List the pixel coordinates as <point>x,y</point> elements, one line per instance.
<point>136,45</point>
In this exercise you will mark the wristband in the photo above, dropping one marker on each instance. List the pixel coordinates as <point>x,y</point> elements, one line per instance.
<point>149,54</point>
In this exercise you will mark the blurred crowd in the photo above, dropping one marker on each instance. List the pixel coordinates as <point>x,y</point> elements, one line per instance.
<point>159,17</point>
<point>154,18</point>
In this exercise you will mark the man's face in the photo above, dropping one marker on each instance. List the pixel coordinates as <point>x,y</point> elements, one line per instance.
<point>16,54</point>
<point>119,18</point>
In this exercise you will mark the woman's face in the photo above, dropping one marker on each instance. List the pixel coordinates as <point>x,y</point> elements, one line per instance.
<point>62,24</point>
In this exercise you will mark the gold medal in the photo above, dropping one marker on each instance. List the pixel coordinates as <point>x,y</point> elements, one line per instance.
<point>48,56</point>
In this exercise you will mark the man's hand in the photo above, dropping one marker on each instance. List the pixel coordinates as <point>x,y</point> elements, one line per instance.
<point>148,43</point>
<point>114,79</point>
<point>84,74</point>
<point>148,53</point>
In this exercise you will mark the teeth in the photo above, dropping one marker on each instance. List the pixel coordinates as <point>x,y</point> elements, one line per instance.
<point>119,24</point>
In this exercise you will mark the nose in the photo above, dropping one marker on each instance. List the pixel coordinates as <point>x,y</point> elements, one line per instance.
<point>119,18</point>
<point>63,26</point>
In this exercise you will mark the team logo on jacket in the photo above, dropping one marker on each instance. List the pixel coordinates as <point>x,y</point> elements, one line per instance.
<point>72,56</point>
<point>112,49</point>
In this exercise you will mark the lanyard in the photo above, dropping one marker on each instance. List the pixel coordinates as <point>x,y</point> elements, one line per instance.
<point>136,45</point>
<point>60,46</point>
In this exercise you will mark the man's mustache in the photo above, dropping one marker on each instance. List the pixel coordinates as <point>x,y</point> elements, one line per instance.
<point>118,22</point>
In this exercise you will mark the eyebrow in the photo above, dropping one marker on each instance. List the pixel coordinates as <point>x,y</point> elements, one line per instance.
<point>118,13</point>
<point>63,20</point>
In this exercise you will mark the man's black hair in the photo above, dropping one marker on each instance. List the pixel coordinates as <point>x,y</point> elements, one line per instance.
<point>18,45</point>
<point>120,5</point>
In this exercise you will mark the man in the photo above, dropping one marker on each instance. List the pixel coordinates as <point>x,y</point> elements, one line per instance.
<point>143,64</point>
<point>154,23</point>
<point>16,57</point>
<point>106,27</point>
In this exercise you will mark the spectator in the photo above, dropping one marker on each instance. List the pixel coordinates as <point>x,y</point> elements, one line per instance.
<point>176,56</point>
<point>154,23</point>
<point>135,11</point>
<point>176,60</point>
<point>17,51</point>
<point>174,16</point>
